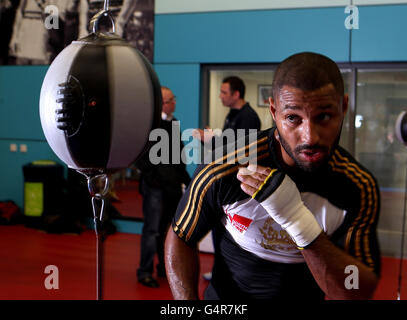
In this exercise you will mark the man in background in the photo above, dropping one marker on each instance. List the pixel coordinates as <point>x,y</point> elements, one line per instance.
<point>161,186</point>
<point>241,114</point>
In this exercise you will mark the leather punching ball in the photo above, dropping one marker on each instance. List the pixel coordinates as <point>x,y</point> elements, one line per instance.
<point>99,101</point>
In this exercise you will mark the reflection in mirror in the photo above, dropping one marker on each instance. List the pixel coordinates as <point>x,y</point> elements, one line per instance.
<point>381,96</point>
<point>26,250</point>
<point>125,194</point>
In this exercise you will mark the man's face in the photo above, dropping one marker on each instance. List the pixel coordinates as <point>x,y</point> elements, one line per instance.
<point>228,97</point>
<point>168,101</point>
<point>308,124</point>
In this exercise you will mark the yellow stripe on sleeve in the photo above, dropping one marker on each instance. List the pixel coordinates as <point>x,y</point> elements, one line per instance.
<point>264,182</point>
<point>369,203</point>
<point>195,182</point>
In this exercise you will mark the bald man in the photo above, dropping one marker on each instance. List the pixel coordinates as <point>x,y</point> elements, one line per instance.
<point>298,218</point>
<point>161,186</point>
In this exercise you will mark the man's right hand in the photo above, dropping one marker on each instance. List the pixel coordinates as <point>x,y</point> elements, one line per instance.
<point>203,135</point>
<point>279,196</point>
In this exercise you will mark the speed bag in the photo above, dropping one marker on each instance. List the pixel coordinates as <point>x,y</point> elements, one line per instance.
<point>99,101</point>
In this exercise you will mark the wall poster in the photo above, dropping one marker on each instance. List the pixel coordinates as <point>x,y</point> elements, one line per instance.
<point>33,32</point>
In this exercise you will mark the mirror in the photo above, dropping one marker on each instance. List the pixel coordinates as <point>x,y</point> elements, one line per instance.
<point>124,194</point>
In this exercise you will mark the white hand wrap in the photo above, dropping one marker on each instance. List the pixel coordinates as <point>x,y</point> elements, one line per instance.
<point>285,206</point>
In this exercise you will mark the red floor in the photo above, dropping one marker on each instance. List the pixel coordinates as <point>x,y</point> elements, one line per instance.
<point>26,252</point>
<point>130,204</point>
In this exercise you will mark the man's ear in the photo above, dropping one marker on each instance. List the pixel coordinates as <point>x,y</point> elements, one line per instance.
<point>272,107</point>
<point>236,94</point>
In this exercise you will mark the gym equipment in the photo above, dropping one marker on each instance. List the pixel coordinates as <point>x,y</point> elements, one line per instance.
<point>401,127</point>
<point>99,101</point>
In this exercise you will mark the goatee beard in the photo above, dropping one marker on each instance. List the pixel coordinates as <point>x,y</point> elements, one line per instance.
<point>305,166</point>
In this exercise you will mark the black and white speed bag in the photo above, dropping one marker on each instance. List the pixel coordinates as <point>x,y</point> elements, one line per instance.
<point>99,101</point>
<point>401,127</point>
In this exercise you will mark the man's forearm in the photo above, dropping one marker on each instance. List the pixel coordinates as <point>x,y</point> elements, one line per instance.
<point>327,264</point>
<point>182,266</point>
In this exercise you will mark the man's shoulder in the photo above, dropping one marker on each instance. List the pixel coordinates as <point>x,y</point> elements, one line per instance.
<point>238,149</point>
<point>250,115</point>
<point>248,109</point>
<point>347,166</point>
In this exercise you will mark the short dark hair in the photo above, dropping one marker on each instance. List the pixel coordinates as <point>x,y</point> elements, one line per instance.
<point>236,84</point>
<point>307,71</point>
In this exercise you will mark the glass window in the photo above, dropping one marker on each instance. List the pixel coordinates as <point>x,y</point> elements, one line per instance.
<point>377,95</point>
<point>381,96</point>
<point>257,82</point>
<point>254,81</point>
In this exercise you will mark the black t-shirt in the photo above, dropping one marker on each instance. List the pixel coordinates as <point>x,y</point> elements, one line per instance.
<point>238,123</point>
<point>172,172</point>
<point>244,118</point>
<point>254,257</point>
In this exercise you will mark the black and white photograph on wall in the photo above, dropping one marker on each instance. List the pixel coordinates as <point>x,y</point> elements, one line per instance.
<point>33,32</point>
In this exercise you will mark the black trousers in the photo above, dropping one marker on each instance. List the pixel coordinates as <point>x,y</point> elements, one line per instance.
<point>159,206</point>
